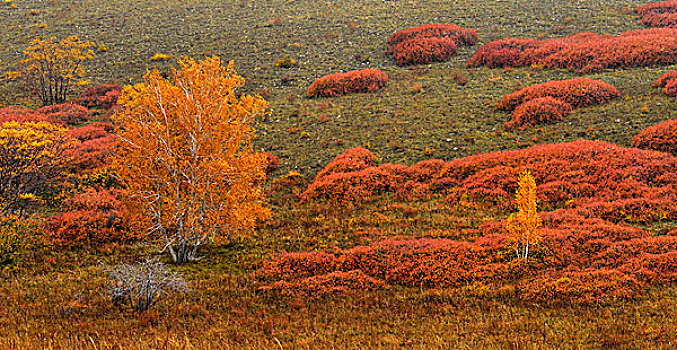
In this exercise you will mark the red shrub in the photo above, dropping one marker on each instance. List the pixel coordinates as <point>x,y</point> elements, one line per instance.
<point>658,14</point>
<point>659,137</point>
<point>583,52</point>
<point>540,110</point>
<point>92,217</point>
<point>272,163</point>
<point>66,113</point>
<point>353,159</point>
<point>95,142</point>
<point>668,81</point>
<point>422,50</point>
<point>580,92</point>
<point>103,96</point>
<point>22,115</point>
<point>428,43</point>
<point>365,80</point>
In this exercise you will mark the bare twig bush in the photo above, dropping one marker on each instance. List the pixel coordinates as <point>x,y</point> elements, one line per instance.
<point>143,284</point>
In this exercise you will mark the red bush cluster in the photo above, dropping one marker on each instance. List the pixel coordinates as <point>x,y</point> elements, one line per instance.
<point>103,96</point>
<point>668,81</point>
<point>428,43</point>
<point>540,110</point>
<point>580,92</point>
<point>659,137</point>
<point>584,52</point>
<point>22,115</point>
<point>658,14</point>
<point>589,253</point>
<point>91,218</point>
<point>338,84</point>
<point>67,113</point>
<point>95,142</point>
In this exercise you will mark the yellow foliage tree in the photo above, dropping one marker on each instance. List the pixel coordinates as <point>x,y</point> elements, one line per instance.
<point>51,67</point>
<point>31,160</point>
<point>185,155</point>
<point>523,226</point>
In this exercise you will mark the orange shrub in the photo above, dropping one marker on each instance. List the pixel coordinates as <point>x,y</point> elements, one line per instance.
<point>428,43</point>
<point>658,14</point>
<point>584,52</point>
<point>540,110</point>
<point>580,92</point>
<point>365,80</point>
<point>659,137</point>
<point>66,113</point>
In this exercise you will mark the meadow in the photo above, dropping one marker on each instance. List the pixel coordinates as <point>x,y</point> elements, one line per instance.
<point>388,206</point>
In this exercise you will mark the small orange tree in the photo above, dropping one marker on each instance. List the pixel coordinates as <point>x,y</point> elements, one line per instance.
<point>51,67</point>
<point>185,155</point>
<point>523,226</point>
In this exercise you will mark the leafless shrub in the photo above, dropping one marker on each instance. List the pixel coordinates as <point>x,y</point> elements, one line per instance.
<point>141,285</point>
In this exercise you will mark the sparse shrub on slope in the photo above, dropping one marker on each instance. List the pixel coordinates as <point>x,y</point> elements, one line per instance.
<point>580,92</point>
<point>584,52</point>
<point>658,14</point>
<point>338,84</point>
<point>668,81</point>
<point>540,110</point>
<point>659,137</point>
<point>428,43</point>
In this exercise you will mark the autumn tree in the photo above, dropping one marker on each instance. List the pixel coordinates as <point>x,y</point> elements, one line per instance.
<point>523,226</point>
<point>32,156</point>
<point>51,67</point>
<point>185,155</point>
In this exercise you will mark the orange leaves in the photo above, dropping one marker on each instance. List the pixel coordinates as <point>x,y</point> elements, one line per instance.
<point>338,84</point>
<point>52,66</point>
<point>428,43</point>
<point>523,227</point>
<point>31,161</point>
<point>185,155</point>
<point>583,52</point>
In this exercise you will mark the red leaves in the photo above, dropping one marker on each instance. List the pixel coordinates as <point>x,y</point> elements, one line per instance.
<point>659,137</point>
<point>584,52</point>
<point>668,81</point>
<point>21,115</point>
<point>103,96</point>
<point>540,110</point>
<point>96,141</point>
<point>338,84</point>
<point>550,101</point>
<point>93,218</point>
<point>580,92</point>
<point>66,113</point>
<point>658,14</point>
<point>428,43</point>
